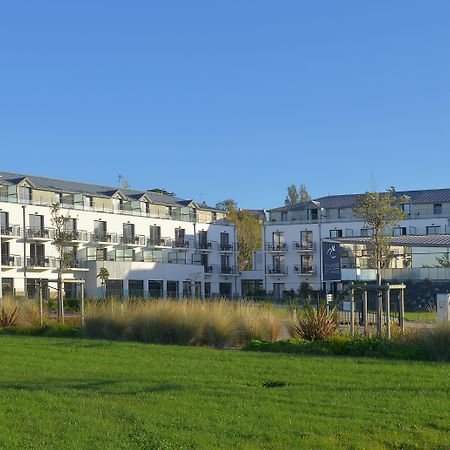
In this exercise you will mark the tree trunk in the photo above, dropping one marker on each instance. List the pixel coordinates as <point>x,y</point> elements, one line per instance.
<point>60,298</point>
<point>379,303</point>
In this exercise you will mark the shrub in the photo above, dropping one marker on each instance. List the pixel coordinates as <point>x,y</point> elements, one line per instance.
<point>437,341</point>
<point>9,316</point>
<point>190,322</point>
<point>313,324</point>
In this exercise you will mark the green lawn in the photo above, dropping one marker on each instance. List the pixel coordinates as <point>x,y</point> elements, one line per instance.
<point>72,393</point>
<point>420,316</point>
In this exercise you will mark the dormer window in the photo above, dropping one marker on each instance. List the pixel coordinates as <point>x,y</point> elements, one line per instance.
<point>24,194</point>
<point>406,208</point>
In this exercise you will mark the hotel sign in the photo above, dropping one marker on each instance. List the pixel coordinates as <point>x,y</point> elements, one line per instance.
<point>331,261</point>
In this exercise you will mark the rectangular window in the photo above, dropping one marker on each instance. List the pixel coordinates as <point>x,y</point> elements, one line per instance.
<point>37,255</point>
<point>100,230</point>
<point>306,236</point>
<point>128,233</point>
<point>88,201</point>
<point>114,288</point>
<point>433,229</point>
<point>24,194</point>
<point>399,231</point>
<point>203,240</point>
<point>4,223</point>
<point>155,235</point>
<point>172,289</point>
<point>341,213</point>
<point>186,289</point>
<point>406,208</point>
<point>155,288</point>
<point>225,241</point>
<point>136,288</point>
<point>278,290</point>
<point>179,237</point>
<point>225,290</point>
<point>335,233</point>
<point>312,214</point>
<point>306,264</point>
<point>36,222</point>
<point>207,289</point>
<point>437,208</point>
<point>278,240</point>
<point>284,216</point>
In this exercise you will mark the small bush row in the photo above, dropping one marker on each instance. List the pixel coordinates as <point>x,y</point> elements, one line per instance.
<point>431,344</point>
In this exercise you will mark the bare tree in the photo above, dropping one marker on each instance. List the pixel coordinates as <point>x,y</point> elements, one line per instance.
<point>63,241</point>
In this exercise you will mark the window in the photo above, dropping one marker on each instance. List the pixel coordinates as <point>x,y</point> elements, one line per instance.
<point>207,289</point>
<point>100,230</point>
<point>186,289</point>
<point>155,288</point>
<point>24,194</point>
<point>433,229</point>
<point>312,214</point>
<point>172,289</point>
<point>437,208</point>
<point>4,223</point>
<point>306,236</point>
<point>114,288</point>
<point>278,263</point>
<point>278,240</point>
<point>278,289</point>
<point>406,208</point>
<point>155,235</point>
<point>306,264</point>
<point>335,233</point>
<point>136,288</point>
<point>225,241</point>
<point>117,204</point>
<point>88,201</point>
<point>225,289</point>
<point>399,231</point>
<point>5,253</point>
<point>36,222</point>
<point>128,233</point>
<point>37,255</point>
<point>225,264</point>
<point>341,213</point>
<point>203,240</point>
<point>284,216</point>
<point>179,237</point>
<point>70,226</point>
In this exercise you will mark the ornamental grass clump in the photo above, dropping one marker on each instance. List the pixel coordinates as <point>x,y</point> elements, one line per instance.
<point>437,341</point>
<point>16,312</point>
<point>314,324</point>
<point>188,322</point>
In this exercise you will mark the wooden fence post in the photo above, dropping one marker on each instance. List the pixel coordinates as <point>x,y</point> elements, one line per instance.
<point>388,313</point>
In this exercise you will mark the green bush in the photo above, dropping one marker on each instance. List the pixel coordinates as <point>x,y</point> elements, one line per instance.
<point>315,323</point>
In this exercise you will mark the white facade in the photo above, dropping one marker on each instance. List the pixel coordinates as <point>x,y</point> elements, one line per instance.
<point>293,237</point>
<point>150,244</point>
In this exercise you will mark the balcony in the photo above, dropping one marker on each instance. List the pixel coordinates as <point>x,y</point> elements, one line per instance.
<point>159,242</point>
<point>10,232</point>
<point>304,270</point>
<point>277,269</point>
<point>228,270</point>
<point>137,240</point>
<point>211,268</point>
<point>104,238</point>
<point>205,246</point>
<point>76,265</point>
<point>11,261</point>
<point>226,247</point>
<point>79,236</point>
<point>40,234</point>
<point>304,246</point>
<point>41,263</point>
<point>276,248</point>
<point>180,245</point>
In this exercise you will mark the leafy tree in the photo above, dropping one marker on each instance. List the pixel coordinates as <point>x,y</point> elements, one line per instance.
<point>295,196</point>
<point>227,205</point>
<point>381,213</point>
<point>103,274</point>
<point>443,261</point>
<point>248,229</point>
<point>63,241</point>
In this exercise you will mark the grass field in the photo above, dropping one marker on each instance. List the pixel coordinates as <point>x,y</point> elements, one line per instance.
<point>421,316</point>
<point>73,393</point>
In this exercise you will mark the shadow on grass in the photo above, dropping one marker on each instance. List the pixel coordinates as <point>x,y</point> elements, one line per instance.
<point>99,387</point>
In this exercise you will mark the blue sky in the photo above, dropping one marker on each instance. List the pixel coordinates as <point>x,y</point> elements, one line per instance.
<point>236,99</point>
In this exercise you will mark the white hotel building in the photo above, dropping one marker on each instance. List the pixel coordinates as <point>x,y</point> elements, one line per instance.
<point>153,245</point>
<point>293,236</point>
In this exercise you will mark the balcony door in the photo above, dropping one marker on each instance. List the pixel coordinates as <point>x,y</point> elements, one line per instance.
<point>155,235</point>
<point>36,222</point>
<point>99,229</point>
<point>278,240</point>
<point>203,239</point>
<point>37,253</point>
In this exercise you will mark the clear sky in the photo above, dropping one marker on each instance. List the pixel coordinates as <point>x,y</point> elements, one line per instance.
<point>228,99</point>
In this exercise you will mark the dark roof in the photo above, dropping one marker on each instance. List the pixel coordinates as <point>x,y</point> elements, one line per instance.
<point>74,187</point>
<point>349,200</point>
<point>297,207</point>
<point>429,240</point>
<point>256,213</point>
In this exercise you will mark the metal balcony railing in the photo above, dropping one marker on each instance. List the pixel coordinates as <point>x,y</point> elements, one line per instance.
<point>40,233</point>
<point>206,245</point>
<point>159,242</point>
<point>228,270</point>
<point>10,230</point>
<point>79,235</point>
<point>110,238</point>
<point>277,269</point>
<point>304,270</point>
<point>11,260</point>
<point>180,244</point>
<point>137,239</point>
<point>41,262</point>
<point>228,247</point>
<point>302,246</point>
<point>279,247</point>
